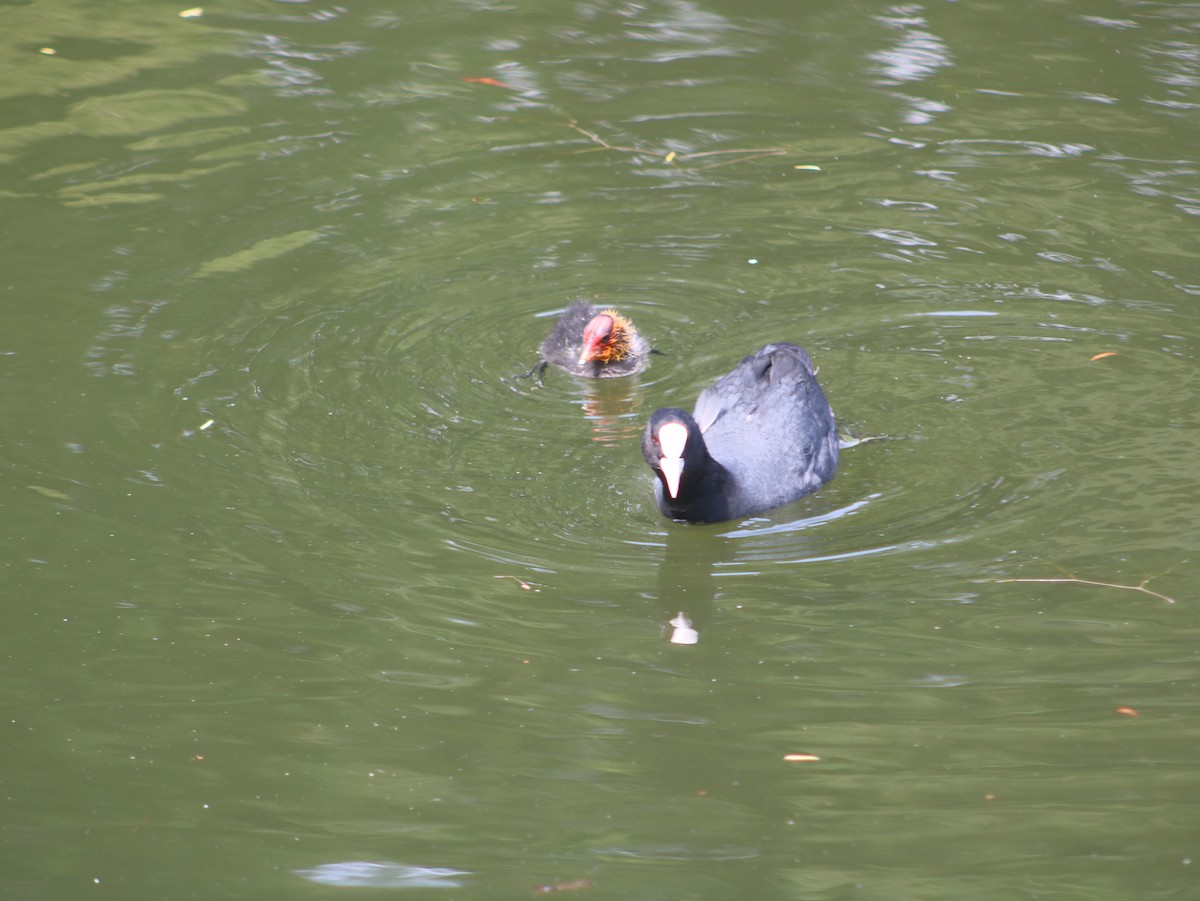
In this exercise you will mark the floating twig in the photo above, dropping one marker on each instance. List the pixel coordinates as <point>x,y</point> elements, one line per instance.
<point>749,155</point>
<point>1141,586</point>
<point>672,156</point>
<point>603,143</point>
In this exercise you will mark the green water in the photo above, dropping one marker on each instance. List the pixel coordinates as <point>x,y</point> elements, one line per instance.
<point>298,577</point>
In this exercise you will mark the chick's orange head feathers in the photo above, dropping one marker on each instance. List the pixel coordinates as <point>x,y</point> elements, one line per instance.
<point>605,338</point>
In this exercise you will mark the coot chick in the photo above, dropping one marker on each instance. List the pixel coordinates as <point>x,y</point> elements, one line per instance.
<point>761,436</point>
<point>596,342</point>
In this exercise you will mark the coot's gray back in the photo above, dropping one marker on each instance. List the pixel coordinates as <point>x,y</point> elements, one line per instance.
<point>769,424</point>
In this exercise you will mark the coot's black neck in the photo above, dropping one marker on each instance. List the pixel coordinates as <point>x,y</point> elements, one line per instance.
<point>702,496</point>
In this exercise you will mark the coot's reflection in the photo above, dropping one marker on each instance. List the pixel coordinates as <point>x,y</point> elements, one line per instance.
<point>611,408</point>
<point>686,584</point>
<point>702,564</point>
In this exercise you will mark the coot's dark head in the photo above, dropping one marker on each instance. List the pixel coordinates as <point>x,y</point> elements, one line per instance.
<point>674,448</point>
<point>606,338</point>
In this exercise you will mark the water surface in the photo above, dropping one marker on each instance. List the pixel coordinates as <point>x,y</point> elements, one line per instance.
<point>307,591</point>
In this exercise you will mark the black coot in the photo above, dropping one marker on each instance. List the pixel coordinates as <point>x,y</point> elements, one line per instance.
<point>597,342</point>
<point>761,436</point>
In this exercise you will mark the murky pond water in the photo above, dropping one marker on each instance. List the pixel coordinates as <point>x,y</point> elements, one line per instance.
<point>306,590</point>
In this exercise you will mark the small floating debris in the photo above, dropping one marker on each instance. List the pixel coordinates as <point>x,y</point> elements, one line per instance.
<point>520,583</point>
<point>801,758</point>
<point>491,82</point>
<point>194,13</point>
<point>574,885</point>
<point>51,493</point>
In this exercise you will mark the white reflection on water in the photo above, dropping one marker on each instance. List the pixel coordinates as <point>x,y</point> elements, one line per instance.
<point>799,525</point>
<point>360,873</point>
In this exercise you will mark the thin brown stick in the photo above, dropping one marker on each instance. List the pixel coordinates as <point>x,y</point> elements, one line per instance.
<point>1141,586</point>
<point>764,151</point>
<point>603,143</point>
<point>741,159</point>
<point>672,156</point>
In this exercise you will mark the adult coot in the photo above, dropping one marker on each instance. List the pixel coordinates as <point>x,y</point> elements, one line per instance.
<point>596,342</point>
<point>761,436</point>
